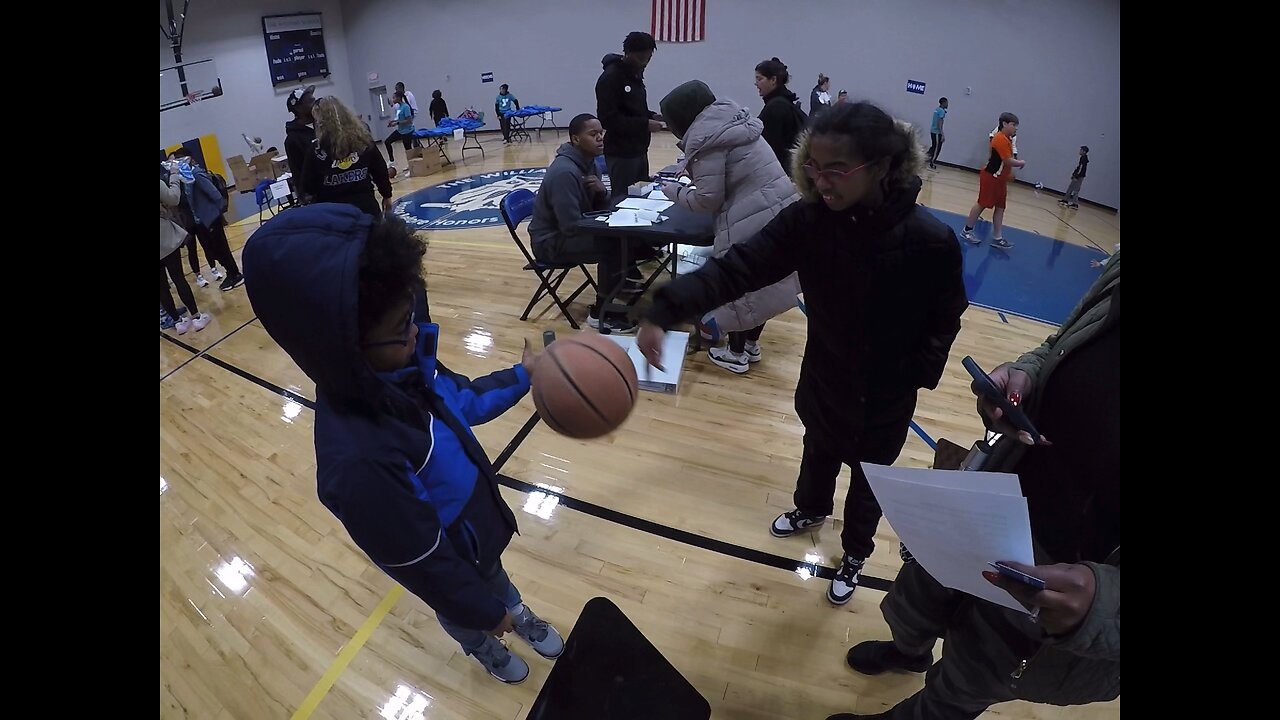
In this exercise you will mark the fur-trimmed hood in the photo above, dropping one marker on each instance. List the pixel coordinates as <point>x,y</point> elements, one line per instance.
<point>904,177</point>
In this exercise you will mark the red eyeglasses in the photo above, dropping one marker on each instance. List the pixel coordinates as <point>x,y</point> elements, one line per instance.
<point>831,175</point>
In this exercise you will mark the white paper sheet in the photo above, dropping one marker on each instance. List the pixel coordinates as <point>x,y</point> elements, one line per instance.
<point>635,203</point>
<point>633,218</point>
<point>955,523</point>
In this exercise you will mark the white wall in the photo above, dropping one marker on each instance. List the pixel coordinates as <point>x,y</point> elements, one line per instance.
<point>1057,65</point>
<point>230,32</point>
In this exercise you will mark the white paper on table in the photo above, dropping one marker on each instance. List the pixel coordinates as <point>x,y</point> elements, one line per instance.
<point>628,218</point>
<point>955,525</point>
<point>635,203</point>
<point>658,195</point>
<point>634,218</point>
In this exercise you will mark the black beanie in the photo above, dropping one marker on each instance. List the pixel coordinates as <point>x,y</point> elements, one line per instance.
<point>682,105</point>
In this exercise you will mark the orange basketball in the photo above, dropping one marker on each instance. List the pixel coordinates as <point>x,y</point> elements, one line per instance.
<point>585,386</point>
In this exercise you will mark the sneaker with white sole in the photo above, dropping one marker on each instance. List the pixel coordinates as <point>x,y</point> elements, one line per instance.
<point>620,325</point>
<point>752,349</point>
<point>200,321</point>
<point>793,521</point>
<point>201,281</point>
<point>736,363</point>
<point>218,274</point>
<point>845,581</point>
<point>184,325</point>
<point>1001,243</point>
<point>968,236</point>
<point>538,633</point>
<point>501,663</point>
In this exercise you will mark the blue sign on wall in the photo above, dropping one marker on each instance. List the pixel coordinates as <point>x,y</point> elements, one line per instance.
<point>915,86</point>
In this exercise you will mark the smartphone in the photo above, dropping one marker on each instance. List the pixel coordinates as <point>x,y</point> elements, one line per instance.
<point>548,337</point>
<point>1028,580</point>
<point>987,387</point>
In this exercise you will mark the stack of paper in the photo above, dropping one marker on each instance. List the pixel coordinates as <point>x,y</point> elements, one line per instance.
<point>646,204</point>
<point>956,522</point>
<point>633,218</point>
<point>651,378</point>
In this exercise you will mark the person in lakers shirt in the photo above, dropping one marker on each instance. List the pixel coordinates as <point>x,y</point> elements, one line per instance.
<point>344,165</point>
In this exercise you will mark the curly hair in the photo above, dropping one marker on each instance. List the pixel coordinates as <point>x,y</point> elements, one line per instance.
<point>338,129</point>
<point>873,134</point>
<point>390,270</point>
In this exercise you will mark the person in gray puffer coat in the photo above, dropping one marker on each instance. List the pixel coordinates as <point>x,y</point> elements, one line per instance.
<point>736,176</point>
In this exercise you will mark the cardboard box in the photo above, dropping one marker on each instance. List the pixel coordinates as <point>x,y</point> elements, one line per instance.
<point>263,163</point>
<point>426,164</point>
<point>244,176</point>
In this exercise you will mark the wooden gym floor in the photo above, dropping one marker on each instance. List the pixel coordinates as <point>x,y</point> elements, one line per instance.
<point>267,610</point>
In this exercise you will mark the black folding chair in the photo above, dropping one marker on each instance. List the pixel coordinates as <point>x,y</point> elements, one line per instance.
<point>516,207</point>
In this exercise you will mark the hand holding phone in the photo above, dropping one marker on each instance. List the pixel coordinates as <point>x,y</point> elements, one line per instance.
<point>1005,396</point>
<point>1058,596</point>
<point>1016,575</point>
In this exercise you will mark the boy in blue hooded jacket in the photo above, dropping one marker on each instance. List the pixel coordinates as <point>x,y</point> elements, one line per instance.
<point>396,460</point>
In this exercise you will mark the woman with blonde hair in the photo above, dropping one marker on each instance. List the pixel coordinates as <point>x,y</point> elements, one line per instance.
<point>344,166</point>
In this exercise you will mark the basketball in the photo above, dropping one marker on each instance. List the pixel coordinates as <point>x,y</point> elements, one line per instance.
<point>585,386</point>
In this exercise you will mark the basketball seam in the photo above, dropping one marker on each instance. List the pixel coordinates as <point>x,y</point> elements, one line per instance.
<point>615,369</point>
<point>574,385</point>
<point>550,416</point>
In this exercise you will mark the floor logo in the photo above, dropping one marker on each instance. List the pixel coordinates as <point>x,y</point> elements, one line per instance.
<point>468,202</point>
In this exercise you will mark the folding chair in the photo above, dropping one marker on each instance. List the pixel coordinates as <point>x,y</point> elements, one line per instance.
<point>263,198</point>
<point>516,207</point>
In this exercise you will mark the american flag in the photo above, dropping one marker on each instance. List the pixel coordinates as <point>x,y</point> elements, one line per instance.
<point>679,21</point>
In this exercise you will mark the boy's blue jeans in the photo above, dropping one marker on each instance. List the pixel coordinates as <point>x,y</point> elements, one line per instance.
<point>500,585</point>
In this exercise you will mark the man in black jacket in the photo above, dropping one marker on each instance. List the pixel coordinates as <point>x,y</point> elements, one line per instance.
<point>300,132</point>
<point>623,109</point>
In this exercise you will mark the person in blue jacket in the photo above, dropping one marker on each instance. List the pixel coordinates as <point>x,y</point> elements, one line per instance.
<point>396,460</point>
